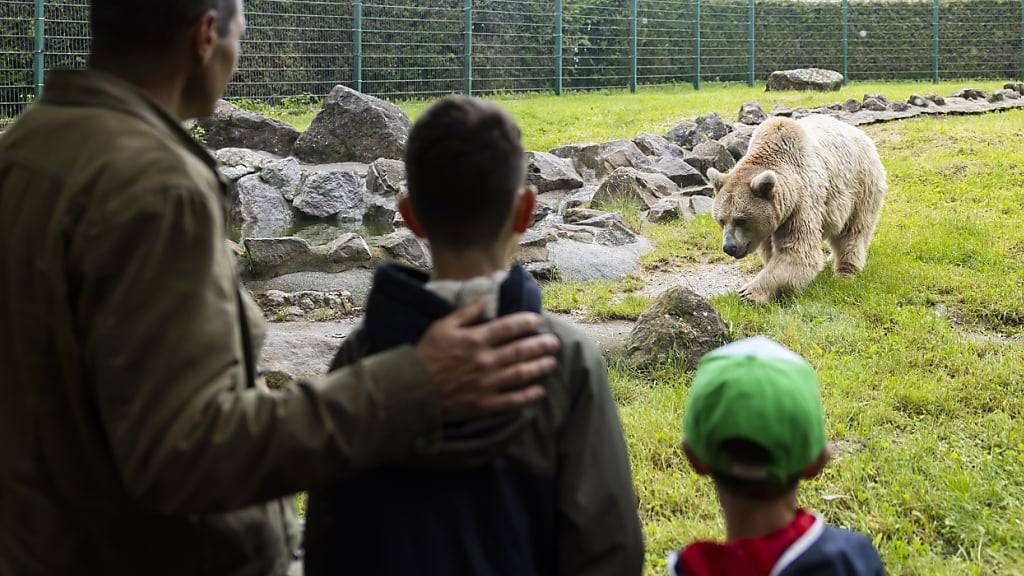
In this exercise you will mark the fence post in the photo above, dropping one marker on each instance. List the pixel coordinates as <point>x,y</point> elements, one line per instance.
<point>696,45</point>
<point>633,48</point>
<point>39,53</point>
<point>846,41</point>
<point>935,41</point>
<point>468,36</point>
<point>357,45</point>
<point>558,47</point>
<point>751,44</point>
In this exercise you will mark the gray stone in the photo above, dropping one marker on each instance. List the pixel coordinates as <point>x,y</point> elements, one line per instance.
<point>781,110</point>
<point>548,172</point>
<point>381,214</point>
<point>353,126</point>
<point>261,208</point>
<point>331,192</point>
<point>236,163</point>
<point>752,114</point>
<point>936,99</point>
<point>900,106</point>
<point>680,326</point>
<point>603,159</point>
<point>737,143</point>
<point>613,230</point>
<point>711,154</point>
<point>278,256</point>
<point>916,100</point>
<point>1003,95</point>
<point>357,281</point>
<point>630,185</point>
<point>329,305</point>
<point>386,177</point>
<point>852,106</point>
<point>875,104</point>
<point>816,79</point>
<point>581,262</point>
<point>676,169</point>
<point>705,190</point>
<point>583,197</point>
<point>970,94</point>
<point>231,127</point>
<point>576,215</point>
<point>701,205</point>
<point>405,248</point>
<point>295,350</point>
<point>285,175</point>
<point>653,145</point>
<point>668,210</point>
<point>542,271</point>
<point>1017,87</point>
<point>347,249</point>
<point>690,134</point>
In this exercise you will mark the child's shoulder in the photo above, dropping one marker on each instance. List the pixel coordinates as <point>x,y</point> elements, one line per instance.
<point>835,551</point>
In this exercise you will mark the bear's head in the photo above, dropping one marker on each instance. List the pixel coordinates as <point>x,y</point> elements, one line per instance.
<point>744,207</point>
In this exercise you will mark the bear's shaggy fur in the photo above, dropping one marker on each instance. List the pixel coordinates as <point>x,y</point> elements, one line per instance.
<point>801,181</point>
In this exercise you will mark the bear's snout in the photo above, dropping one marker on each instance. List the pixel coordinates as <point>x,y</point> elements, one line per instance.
<point>735,250</point>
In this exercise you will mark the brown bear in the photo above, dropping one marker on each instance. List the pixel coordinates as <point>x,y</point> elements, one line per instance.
<point>802,181</point>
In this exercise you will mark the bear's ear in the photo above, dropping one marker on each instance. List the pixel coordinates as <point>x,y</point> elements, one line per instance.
<point>763,185</point>
<point>716,178</point>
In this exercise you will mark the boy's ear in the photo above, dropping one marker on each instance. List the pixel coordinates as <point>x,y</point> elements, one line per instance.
<point>526,201</point>
<point>405,208</point>
<point>699,466</point>
<point>815,468</point>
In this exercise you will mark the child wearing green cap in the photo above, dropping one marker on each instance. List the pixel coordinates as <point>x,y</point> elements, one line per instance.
<point>754,423</point>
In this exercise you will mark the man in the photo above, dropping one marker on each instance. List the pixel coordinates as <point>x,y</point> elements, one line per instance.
<point>132,438</point>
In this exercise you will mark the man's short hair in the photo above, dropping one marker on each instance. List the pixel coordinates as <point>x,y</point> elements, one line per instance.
<point>152,23</point>
<point>464,164</point>
<point>745,452</point>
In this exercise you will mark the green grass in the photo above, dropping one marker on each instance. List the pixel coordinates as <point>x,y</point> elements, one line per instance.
<point>548,121</point>
<point>936,469</point>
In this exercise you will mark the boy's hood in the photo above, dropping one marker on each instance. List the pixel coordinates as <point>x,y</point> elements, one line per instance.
<point>399,311</point>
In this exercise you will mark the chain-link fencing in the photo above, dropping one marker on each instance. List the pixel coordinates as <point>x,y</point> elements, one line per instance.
<point>402,49</point>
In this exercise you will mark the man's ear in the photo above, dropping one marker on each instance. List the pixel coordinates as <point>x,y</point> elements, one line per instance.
<point>526,201</point>
<point>697,464</point>
<point>405,208</point>
<point>206,35</point>
<point>716,178</point>
<point>763,185</point>
<point>815,468</point>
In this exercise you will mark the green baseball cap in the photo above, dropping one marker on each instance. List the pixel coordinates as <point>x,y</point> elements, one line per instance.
<point>759,391</point>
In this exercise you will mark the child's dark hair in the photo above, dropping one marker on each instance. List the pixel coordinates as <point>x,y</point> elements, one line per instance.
<point>751,454</point>
<point>464,164</point>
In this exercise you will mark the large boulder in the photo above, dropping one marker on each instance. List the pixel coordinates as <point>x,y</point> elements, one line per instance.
<point>610,230</point>
<point>632,186</point>
<point>738,142</point>
<point>354,127</point>
<point>279,256</point>
<point>875,103</point>
<point>689,134</point>
<point>917,100</point>
<point>653,145</point>
<point>232,127</point>
<point>285,175</point>
<point>261,208</point>
<point>816,79</point>
<point>679,326</point>
<point>970,94</point>
<point>386,177</point>
<point>549,172</point>
<point>236,163</point>
<point>752,114</point>
<point>331,192</point>
<point>405,248</point>
<point>677,170</point>
<point>711,154</point>
<point>605,158</point>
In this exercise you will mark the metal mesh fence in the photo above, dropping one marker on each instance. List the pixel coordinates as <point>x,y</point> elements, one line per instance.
<point>418,48</point>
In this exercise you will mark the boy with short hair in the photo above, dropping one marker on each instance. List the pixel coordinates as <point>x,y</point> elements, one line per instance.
<point>544,491</point>
<point>755,424</point>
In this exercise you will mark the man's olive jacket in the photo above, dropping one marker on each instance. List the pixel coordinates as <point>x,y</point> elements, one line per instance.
<point>130,440</point>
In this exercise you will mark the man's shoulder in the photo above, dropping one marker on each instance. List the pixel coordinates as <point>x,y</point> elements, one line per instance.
<point>837,552</point>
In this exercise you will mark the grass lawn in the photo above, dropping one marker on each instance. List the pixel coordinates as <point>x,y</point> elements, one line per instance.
<point>549,121</point>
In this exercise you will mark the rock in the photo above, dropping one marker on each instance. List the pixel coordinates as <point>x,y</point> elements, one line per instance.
<point>353,126</point>
<point>279,256</point>
<point>875,104</point>
<point>781,110</point>
<point>705,190</point>
<point>580,262</point>
<point>711,154</point>
<point>236,163</point>
<point>751,114</point>
<point>816,79</point>
<point>614,231</point>
<point>261,208</point>
<point>737,143</point>
<point>936,99</point>
<point>900,106</point>
<point>852,106</point>
<point>834,107</point>
<point>918,101</point>
<point>605,158</point>
<point>970,94</point>
<point>542,271</point>
<point>679,326</point>
<point>576,215</point>
<point>231,127</point>
<point>541,212</point>
<point>701,205</point>
<point>669,209</point>
<point>327,305</point>
<point>800,113</point>
<point>406,248</point>
<point>653,145</point>
<point>330,192</point>
<point>285,175</point>
<point>386,177</point>
<point>581,198</point>
<point>676,169</point>
<point>1003,94</point>
<point>690,134</point>
<point>1018,87</point>
<point>630,185</point>
<point>570,151</point>
<point>549,172</point>
<point>380,214</point>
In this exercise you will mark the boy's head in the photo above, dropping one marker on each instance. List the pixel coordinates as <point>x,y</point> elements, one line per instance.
<point>754,420</point>
<point>466,171</point>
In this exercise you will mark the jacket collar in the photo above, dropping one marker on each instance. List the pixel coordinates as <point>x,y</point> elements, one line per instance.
<point>96,89</point>
<point>400,308</point>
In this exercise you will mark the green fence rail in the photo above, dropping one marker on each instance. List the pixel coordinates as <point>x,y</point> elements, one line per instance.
<point>421,48</point>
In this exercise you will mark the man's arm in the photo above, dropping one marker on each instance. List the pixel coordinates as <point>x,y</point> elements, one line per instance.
<point>159,323</point>
<point>599,528</point>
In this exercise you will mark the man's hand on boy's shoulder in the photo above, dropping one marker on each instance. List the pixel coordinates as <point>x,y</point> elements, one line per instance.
<point>489,367</point>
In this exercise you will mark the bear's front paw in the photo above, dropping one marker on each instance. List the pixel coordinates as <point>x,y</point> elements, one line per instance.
<point>754,294</point>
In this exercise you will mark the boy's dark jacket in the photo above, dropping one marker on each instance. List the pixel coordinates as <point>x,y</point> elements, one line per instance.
<point>541,492</point>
